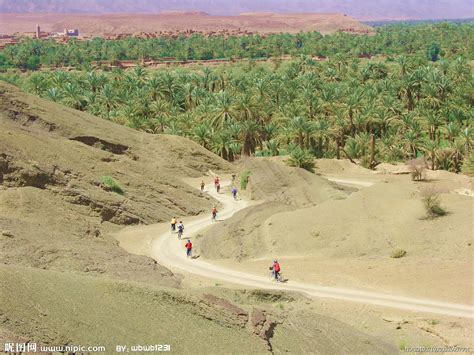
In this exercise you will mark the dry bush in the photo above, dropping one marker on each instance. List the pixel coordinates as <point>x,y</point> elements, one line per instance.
<point>399,253</point>
<point>418,168</point>
<point>431,202</point>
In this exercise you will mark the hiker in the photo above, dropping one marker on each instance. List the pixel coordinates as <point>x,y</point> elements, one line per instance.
<point>202,186</point>
<point>276,270</point>
<point>218,187</point>
<point>180,229</point>
<point>189,249</point>
<point>217,182</point>
<point>173,224</point>
<point>234,192</point>
<point>233,178</point>
<point>214,213</point>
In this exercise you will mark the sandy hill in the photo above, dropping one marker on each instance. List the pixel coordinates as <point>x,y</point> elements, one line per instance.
<point>282,189</point>
<point>348,239</point>
<point>97,25</point>
<point>52,201</point>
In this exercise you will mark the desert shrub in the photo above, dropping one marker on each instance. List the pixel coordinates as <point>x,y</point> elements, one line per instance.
<point>418,168</point>
<point>444,159</point>
<point>270,296</point>
<point>244,179</point>
<point>302,159</point>
<point>111,184</point>
<point>399,253</point>
<point>431,202</point>
<point>402,345</point>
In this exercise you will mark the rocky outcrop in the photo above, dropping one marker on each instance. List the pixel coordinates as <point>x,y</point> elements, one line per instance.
<point>263,325</point>
<point>222,311</point>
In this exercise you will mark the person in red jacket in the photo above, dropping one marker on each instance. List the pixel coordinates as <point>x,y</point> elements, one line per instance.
<point>189,249</point>
<point>276,270</point>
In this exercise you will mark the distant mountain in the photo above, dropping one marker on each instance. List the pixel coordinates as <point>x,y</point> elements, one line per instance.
<point>361,9</point>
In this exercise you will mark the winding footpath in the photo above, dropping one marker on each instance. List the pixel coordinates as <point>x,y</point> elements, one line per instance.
<point>167,250</point>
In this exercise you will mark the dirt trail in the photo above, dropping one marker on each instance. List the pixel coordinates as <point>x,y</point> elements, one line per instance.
<point>351,182</point>
<point>170,252</point>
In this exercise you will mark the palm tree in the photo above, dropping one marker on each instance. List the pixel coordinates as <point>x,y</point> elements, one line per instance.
<point>432,120</point>
<point>299,126</point>
<point>412,138</point>
<point>250,136</point>
<point>202,134</point>
<point>301,158</point>
<point>154,88</point>
<point>431,147</point>
<point>94,81</point>
<point>140,75</point>
<point>37,84</point>
<point>321,133</point>
<point>130,116</point>
<point>223,108</point>
<point>457,147</point>
<point>404,64</point>
<point>466,135</point>
<point>54,94</point>
<point>246,106</point>
<point>406,91</point>
<point>58,78</point>
<point>353,104</point>
<point>273,147</point>
<point>452,130</point>
<point>108,99</point>
<point>73,96</point>
<point>222,143</point>
<point>160,111</point>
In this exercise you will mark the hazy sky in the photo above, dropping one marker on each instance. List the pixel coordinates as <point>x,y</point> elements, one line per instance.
<point>357,8</point>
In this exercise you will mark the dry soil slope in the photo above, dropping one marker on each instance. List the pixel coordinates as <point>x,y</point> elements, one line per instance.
<point>375,221</point>
<point>212,321</point>
<point>313,217</point>
<point>354,238</point>
<point>52,204</point>
<point>282,189</point>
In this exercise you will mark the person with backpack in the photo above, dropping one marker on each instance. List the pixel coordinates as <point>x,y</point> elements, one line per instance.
<point>173,224</point>
<point>214,213</point>
<point>217,183</point>
<point>180,229</point>
<point>234,192</point>
<point>189,249</point>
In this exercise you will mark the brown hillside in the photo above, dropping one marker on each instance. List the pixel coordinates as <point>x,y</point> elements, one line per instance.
<point>130,23</point>
<point>54,210</point>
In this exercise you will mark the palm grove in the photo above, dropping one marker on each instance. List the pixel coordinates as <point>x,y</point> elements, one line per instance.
<point>414,100</point>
